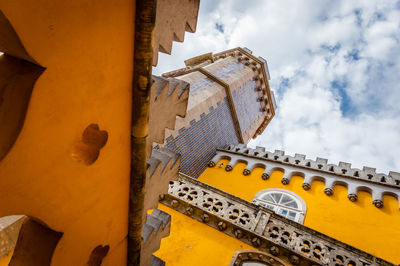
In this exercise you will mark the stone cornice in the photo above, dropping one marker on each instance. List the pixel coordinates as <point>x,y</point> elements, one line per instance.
<point>260,227</point>
<point>354,179</point>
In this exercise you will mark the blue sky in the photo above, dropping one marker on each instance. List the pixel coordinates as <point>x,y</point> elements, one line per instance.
<point>334,68</point>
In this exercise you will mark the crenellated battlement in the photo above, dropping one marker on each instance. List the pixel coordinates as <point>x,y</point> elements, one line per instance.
<point>321,164</point>
<point>377,184</point>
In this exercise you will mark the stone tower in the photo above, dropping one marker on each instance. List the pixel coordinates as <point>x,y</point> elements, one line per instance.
<point>230,102</point>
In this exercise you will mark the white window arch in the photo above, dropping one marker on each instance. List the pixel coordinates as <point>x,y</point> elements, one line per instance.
<point>282,202</point>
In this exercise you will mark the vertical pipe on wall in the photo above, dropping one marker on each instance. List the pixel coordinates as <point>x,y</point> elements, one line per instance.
<point>143,54</point>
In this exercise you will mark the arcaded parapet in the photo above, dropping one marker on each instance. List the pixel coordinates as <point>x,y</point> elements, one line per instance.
<point>173,18</point>
<point>354,179</point>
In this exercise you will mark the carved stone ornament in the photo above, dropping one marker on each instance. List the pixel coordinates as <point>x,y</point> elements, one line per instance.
<point>211,164</point>
<point>378,203</point>
<point>265,176</point>
<point>352,197</point>
<point>306,186</point>
<point>328,191</point>
<point>228,168</point>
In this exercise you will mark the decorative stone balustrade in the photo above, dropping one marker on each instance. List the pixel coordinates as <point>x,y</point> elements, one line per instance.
<point>377,184</point>
<point>260,227</point>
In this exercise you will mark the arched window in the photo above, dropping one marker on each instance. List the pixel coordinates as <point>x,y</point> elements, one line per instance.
<point>254,258</point>
<point>282,202</point>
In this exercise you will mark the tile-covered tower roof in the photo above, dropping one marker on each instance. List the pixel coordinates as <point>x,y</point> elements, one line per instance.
<point>230,102</point>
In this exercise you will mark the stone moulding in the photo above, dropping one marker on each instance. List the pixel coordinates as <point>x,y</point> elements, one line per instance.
<point>354,179</point>
<point>255,256</point>
<point>288,241</point>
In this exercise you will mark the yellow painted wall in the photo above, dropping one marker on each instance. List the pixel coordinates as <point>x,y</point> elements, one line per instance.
<point>193,243</point>
<point>87,49</point>
<point>359,224</point>
<point>5,260</point>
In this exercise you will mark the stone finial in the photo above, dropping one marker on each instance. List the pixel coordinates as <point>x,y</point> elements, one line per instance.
<point>285,180</point>
<point>221,226</point>
<point>328,191</point>
<point>265,176</point>
<point>274,250</point>
<point>205,217</point>
<point>256,242</point>
<point>189,211</point>
<point>228,168</point>
<point>352,197</point>
<point>246,171</point>
<point>378,203</point>
<point>238,233</point>
<point>306,186</point>
<point>174,203</point>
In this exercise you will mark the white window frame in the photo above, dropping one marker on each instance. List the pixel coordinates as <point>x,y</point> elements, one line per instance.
<point>300,213</point>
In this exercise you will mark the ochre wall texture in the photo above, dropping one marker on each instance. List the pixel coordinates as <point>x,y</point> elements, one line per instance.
<point>192,243</point>
<point>359,223</point>
<point>86,49</point>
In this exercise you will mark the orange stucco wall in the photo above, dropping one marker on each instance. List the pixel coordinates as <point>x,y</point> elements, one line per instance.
<point>87,50</point>
<point>359,223</point>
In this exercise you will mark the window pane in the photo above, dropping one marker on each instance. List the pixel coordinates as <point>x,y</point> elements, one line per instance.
<point>286,199</point>
<point>268,197</point>
<point>270,207</point>
<point>282,203</point>
<point>277,197</point>
<point>283,212</point>
<point>292,204</point>
<point>292,215</point>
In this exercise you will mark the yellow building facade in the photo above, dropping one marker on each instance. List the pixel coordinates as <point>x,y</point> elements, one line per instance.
<point>359,214</point>
<point>90,141</point>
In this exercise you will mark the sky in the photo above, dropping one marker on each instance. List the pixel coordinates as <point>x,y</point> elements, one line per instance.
<point>335,71</point>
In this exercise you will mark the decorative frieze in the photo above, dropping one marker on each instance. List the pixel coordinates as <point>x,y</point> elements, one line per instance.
<point>260,227</point>
<point>377,184</point>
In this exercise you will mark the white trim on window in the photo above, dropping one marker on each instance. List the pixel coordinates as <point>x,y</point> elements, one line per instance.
<point>282,202</point>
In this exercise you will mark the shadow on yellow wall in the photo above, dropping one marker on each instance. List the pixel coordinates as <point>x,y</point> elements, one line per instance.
<point>192,243</point>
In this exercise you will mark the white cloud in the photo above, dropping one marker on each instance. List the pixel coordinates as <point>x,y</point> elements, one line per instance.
<point>311,45</point>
